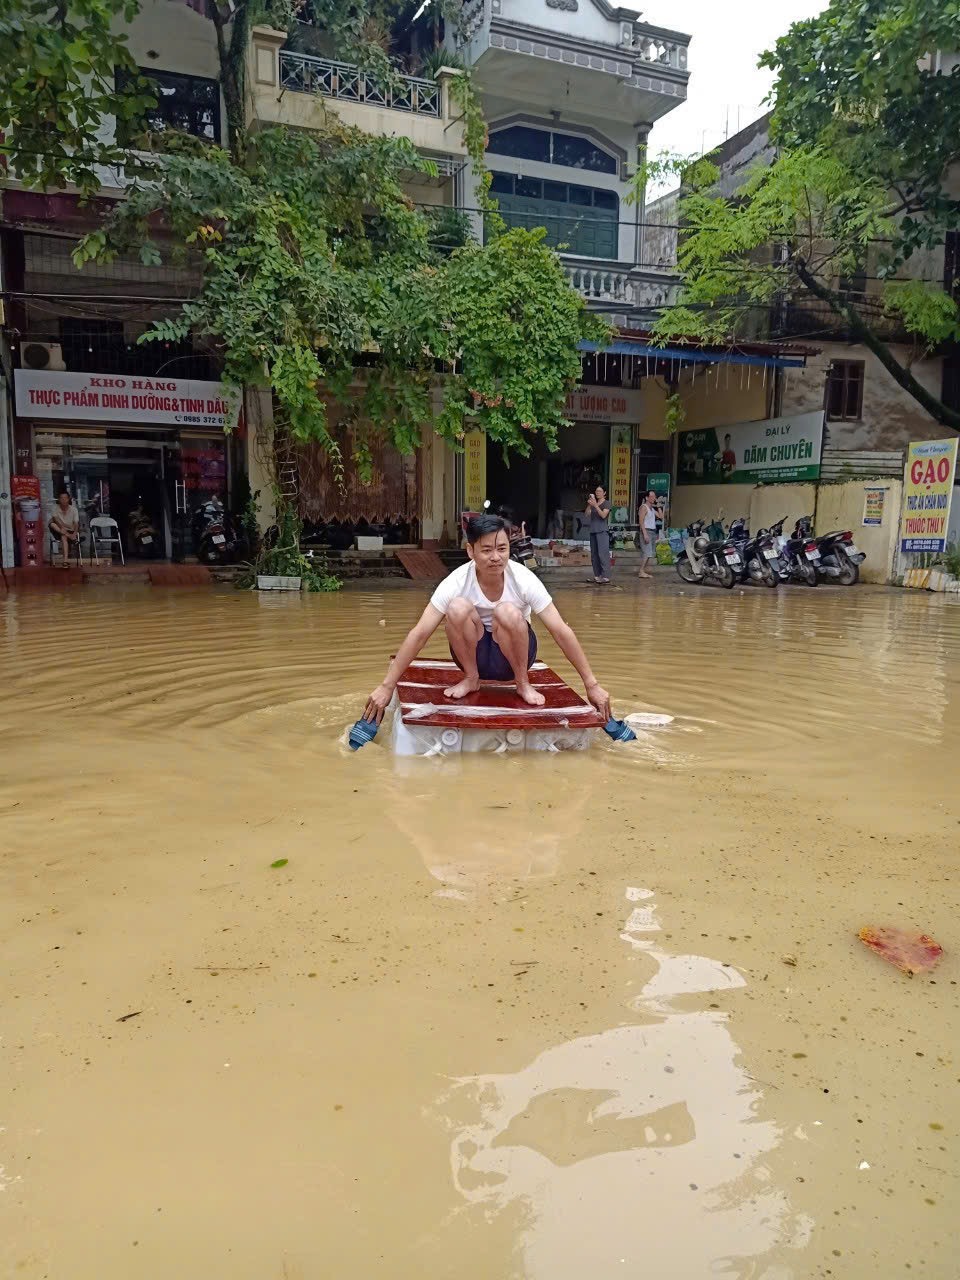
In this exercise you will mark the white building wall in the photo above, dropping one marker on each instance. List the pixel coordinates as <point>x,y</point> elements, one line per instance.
<point>586,21</point>
<point>890,419</point>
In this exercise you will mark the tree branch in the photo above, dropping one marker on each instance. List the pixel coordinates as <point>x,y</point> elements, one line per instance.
<point>902,376</point>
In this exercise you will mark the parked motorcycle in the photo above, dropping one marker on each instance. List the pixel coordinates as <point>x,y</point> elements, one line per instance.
<point>761,560</point>
<point>214,537</point>
<point>705,559</point>
<point>142,536</point>
<point>840,557</point>
<point>798,557</point>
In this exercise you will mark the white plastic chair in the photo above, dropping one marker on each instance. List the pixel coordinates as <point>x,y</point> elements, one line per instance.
<point>105,532</point>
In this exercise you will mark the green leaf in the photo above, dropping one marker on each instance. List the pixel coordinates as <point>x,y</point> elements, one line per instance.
<point>280,862</point>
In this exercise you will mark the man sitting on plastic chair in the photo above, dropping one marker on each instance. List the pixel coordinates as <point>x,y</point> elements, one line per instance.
<point>64,527</point>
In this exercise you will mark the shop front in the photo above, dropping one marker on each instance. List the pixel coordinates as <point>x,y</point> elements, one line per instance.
<point>150,454</point>
<point>606,444</point>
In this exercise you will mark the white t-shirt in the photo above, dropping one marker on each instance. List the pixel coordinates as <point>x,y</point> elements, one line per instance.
<point>520,587</point>
<point>69,519</point>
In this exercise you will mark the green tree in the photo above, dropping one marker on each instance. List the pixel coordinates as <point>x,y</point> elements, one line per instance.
<point>315,261</point>
<point>866,123</point>
<point>58,85</point>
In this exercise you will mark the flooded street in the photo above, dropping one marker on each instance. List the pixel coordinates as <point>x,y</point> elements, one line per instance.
<point>540,1017</point>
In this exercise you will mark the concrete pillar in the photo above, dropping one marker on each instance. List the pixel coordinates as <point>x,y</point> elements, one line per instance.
<point>640,206</point>
<point>258,415</point>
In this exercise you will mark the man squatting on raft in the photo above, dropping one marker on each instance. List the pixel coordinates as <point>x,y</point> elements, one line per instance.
<point>485,606</point>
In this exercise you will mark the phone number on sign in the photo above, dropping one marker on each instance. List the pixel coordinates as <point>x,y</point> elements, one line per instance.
<point>198,420</point>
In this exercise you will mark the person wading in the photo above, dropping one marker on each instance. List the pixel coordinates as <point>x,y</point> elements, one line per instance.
<point>485,607</point>
<point>648,531</point>
<point>598,516</point>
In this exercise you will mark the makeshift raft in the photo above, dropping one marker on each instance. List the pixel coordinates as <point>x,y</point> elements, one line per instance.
<point>427,723</point>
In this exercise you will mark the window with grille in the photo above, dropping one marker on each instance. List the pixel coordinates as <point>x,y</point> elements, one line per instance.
<point>845,390</point>
<point>188,104</point>
<point>583,220</point>
<point>549,147</point>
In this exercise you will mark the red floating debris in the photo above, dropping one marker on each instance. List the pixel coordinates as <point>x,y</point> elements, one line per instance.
<point>911,952</point>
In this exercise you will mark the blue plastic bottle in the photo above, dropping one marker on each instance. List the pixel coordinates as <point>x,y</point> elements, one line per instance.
<point>619,730</point>
<point>363,731</point>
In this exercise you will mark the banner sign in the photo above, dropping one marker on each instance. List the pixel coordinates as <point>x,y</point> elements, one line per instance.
<point>604,404</point>
<point>777,450</point>
<point>873,503</point>
<point>621,447</point>
<point>108,397</point>
<point>659,482</point>
<point>474,470</point>
<point>927,490</point>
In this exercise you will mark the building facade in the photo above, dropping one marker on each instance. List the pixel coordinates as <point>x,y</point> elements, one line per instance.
<point>570,92</point>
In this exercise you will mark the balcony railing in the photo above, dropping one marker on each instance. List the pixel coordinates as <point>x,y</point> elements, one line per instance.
<point>304,73</point>
<point>656,48</point>
<point>612,284</point>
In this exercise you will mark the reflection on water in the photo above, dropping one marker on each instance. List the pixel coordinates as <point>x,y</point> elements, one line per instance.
<point>609,1139</point>
<point>600,1013</point>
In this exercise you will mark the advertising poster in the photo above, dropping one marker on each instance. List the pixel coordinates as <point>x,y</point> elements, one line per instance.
<point>621,443</point>
<point>927,490</point>
<point>782,450</point>
<point>873,502</point>
<point>474,470</point>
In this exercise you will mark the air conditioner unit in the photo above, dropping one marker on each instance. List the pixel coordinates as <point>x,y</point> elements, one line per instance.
<point>47,356</point>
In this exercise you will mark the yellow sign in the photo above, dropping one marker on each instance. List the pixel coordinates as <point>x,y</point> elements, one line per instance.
<point>620,447</point>
<point>474,470</point>
<point>927,490</point>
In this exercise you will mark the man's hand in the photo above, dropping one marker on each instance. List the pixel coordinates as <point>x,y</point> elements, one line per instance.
<point>377,703</point>
<point>599,698</point>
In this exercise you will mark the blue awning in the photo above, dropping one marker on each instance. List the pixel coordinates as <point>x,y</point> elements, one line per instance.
<point>694,355</point>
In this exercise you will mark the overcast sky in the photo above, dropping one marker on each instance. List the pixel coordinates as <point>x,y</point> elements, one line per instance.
<point>726,89</point>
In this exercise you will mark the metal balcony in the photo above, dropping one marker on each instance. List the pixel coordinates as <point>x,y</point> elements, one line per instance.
<point>304,73</point>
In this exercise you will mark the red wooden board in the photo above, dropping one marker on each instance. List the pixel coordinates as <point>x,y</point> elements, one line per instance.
<point>424,566</point>
<point>495,705</point>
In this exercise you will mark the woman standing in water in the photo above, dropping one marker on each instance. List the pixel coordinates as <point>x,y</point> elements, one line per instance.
<point>648,531</point>
<point>598,516</point>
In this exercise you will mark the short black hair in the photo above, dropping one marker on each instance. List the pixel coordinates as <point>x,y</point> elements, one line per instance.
<point>479,526</point>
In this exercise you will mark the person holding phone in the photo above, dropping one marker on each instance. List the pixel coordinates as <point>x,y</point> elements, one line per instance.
<point>598,522</point>
<point>647,520</point>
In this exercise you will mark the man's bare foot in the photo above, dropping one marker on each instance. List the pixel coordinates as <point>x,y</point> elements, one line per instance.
<point>529,694</point>
<point>643,575</point>
<point>469,684</point>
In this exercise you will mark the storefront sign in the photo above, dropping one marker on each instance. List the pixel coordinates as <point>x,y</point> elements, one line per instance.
<point>621,441</point>
<point>777,450</point>
<point>927,490</point>
<point>603,404</point>
<point>97,397</point>
<point>873,502</point>
<point>659,482</point>
<point>474,470</point>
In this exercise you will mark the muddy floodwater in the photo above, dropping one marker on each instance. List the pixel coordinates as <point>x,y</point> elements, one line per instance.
<point>547,1017</point>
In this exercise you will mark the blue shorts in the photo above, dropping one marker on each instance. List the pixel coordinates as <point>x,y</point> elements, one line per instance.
<point>491,662</point>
